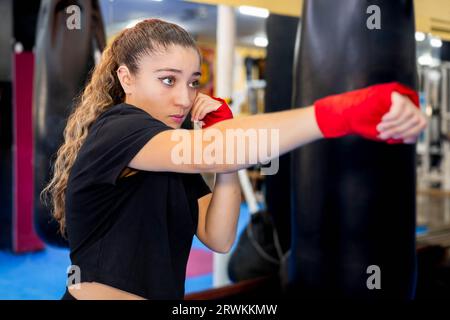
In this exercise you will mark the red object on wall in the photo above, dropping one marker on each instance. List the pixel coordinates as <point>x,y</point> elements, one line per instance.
<point>24,236</point>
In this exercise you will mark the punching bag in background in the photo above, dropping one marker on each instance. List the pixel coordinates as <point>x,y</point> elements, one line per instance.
<point>353,199</point>
<point>262,248</point>
<point>69,33</point>
<point>281,33</point>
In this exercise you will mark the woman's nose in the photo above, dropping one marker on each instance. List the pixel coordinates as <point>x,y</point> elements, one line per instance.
<point>184,98</point>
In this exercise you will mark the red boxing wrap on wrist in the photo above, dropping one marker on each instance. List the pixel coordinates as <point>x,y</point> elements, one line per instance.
<point>222,113</point>
<point>359,111</point>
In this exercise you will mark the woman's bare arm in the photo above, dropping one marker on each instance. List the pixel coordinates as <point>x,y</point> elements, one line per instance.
<point>294,127</point>
<point>219,213</point>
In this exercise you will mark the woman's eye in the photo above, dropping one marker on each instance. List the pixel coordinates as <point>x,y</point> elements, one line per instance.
<point>195,84</point>
<point>168,81</point>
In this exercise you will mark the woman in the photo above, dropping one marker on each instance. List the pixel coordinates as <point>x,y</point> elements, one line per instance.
<point>128,208</point>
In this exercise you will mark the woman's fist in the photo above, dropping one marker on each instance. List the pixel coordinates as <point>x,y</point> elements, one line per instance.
<point>404,121</point>
<point>209,110</point>
<point>384,112</point>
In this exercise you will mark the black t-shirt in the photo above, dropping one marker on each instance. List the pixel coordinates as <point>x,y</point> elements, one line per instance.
<point>130,229</point>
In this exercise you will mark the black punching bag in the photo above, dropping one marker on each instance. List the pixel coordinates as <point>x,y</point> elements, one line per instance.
<point>281,33</point>
<point>353,199</point>
<point>68,35</point>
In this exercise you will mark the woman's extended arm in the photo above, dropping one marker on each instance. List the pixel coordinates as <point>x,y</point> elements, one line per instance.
<point>294,127</point>
<point>234,144</point>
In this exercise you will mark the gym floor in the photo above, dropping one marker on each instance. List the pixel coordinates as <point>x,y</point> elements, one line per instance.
<point>42,275</point>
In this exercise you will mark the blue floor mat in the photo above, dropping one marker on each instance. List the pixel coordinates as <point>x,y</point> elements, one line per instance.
<point>36,276</point>
<point>42,275</point>
<point>199,283</point>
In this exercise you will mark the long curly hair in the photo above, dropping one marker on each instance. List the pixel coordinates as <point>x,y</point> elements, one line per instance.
<point>102,92</point>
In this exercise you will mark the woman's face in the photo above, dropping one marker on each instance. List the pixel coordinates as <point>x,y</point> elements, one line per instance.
<point>166,84</point>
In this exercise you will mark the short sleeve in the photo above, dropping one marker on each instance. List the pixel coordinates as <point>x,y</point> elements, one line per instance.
<point>196,185</point>
<point>115,141</point>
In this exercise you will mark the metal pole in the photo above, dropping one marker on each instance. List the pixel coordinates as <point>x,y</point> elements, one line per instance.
<point>226,34</point>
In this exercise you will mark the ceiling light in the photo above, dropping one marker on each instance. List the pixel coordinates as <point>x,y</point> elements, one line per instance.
<point>261,42</point>
<point>436,43</point>
<point>420,36</point>
<point>254,11</point>
<point>425,60</point>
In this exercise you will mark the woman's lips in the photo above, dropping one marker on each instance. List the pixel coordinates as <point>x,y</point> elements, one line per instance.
<point>177,119</point>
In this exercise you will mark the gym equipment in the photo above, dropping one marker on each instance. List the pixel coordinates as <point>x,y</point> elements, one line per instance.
<point>353,206</point>
<point>16,89</point>
<point>64,58</point>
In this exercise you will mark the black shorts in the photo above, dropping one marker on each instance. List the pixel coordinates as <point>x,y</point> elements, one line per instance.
<point>67,296</point>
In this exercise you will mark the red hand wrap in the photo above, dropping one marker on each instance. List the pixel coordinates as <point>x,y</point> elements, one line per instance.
<point>222,113</point>
<point>359,111</point>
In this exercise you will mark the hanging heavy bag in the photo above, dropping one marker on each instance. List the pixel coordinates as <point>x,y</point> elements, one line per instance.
<point>258,252</point>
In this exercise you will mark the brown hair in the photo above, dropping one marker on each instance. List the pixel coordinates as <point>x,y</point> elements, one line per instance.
<point>103,91</point>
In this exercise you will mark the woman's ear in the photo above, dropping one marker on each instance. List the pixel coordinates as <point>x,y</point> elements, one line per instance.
<point>126,79</point>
